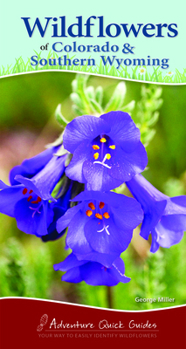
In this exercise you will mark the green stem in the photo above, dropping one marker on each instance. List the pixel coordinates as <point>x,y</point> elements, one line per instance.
<point>110,299</point>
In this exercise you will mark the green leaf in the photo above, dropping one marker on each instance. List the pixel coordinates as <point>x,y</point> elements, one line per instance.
<point>129,107</point>
<point>84,100</point>
<point>147,136</point>
<point>96,106</point>
<point>81,81</point>
<point>69,158</point>
<point>74,85</point>
<point>77,110</point>
<point>120,189</point>
<point>158,93</point>
<point>76,99</point>
<point>154,119</point>
<point>59,117</point>
<point>90,92</point>
<point>61,151</point>
<point>117,98</point>
<point>99,95</point>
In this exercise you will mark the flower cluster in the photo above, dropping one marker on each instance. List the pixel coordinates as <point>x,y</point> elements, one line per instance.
<point>72,191</point>
<point>31,197</point>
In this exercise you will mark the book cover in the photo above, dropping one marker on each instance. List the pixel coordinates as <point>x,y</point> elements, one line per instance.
<point>92,173</point>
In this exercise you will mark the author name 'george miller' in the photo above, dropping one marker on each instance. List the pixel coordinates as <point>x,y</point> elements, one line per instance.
<point>102,325</point>
<point>155,300</point>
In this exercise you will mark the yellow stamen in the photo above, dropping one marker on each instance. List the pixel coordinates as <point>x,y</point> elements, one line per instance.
<point>96,156</point>
<point>112,146</point>
<point>89,213</point>
<point>101,205</point>
<point>91,205</point>
<point>99,216</point>
<point>95,147</point>
<point>103,140</point>
<point>108,156</point>
<point>106,215</point>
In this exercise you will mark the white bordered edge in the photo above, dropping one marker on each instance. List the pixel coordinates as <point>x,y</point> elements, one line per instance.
<point>97,75</point>
<point>92,307</point>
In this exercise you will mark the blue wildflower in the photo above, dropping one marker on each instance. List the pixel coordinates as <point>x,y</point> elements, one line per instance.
<point>100,227</point>
<point>31,202</point>
<point>30,167</point>
<point>63,198</point>
<point>164,217</point>
<point>106,150</point>
<point>92,273</point>
<point>59,208</point>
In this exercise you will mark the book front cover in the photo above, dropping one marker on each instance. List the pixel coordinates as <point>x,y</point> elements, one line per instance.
<point>93,172</point>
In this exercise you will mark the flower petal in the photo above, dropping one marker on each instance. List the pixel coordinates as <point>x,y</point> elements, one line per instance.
<point>123,129</point>
<point>118,270</point>
<point>82,128</point>
<point>152,217</point>
<point>92,273</point>
<point>129,214</point>
<point>125,166</point>
<point>114,243</point>
<point>105,259</point>
<point>96,275</point>
<point>65,220</point>
<point>58,209</point>
<point>154,245</point>
<point>9,196</point>
<point>71,261</point>
<point>3,185</point>
<point>144,191</point>
<point>44,182</point>
<point>29,223</point>
<point>72,275</point>
<point>99,177</point>
<point>170,230</point>
<point>176,205</point>
<point>152,201</point>
<point>74,170</point>
<point>110,198</point>
<point>30,167</point>
<point>76,239</point>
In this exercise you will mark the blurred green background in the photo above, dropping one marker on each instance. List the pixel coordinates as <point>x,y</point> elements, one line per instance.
<point>27,123</point>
